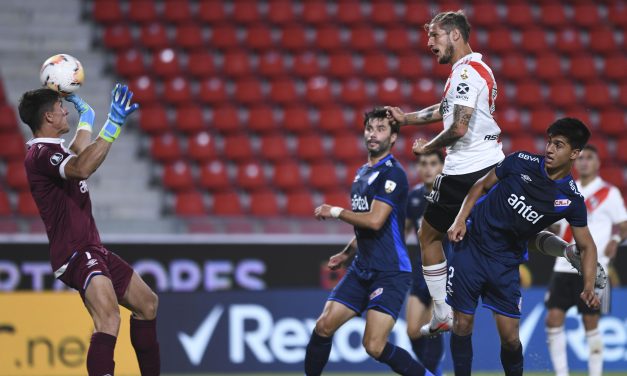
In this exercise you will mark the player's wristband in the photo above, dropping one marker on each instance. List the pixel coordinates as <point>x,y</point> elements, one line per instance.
<point>85,126</point>
<point>616,238</point>
<point>110,131</point>
<point>336,211</point>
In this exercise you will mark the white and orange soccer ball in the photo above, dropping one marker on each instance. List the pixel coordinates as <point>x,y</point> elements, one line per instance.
<point>62,73</point>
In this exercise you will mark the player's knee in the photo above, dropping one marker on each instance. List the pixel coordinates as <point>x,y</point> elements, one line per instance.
<point>512,343</point>
<point>108,322</point>
<point>149,307</point>
<point>323,327</point>
<point>462,326</point>
<point>374,347</point>
<point>413,331</point>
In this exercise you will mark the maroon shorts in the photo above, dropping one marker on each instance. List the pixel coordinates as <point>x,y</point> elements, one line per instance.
<point>85,265</point>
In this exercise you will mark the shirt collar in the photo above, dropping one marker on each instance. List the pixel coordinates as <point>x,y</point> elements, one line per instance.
<point>385,159</point>
<point>45,140</point>
<point>466,59</point>
<point>593,186</point>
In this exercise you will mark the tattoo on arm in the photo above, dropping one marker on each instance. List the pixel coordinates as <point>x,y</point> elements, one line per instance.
<point>426,115</point>
<point>461,120</point>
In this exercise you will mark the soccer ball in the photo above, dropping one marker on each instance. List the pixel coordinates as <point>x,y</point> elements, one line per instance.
<point>62,73</point>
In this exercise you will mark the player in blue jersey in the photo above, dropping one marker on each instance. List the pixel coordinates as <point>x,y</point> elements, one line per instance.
<point>428,349</point>
<point>379,277</point>
<point>522,195</point>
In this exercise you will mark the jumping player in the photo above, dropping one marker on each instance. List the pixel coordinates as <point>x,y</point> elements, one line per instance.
<point>378,279</point>
<point>533,191</point>
<point>58,182</point>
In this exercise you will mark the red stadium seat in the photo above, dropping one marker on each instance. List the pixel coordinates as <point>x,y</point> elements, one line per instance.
<point>602,40</point>
<point>300,204</point>
<point>523,143</point>
<point>568,41</point>
<point>341,64</point>
<point>16,176</point>
<point>225,119</point>
<point>189,204</point>
<point>130,63</point>
<point>238,148</point>
<point>227,203</point>
<point>248,90</point>
<point>348,148</point>
<point>211,11</point>
<point>294,37</point>
<point>13,146</point>
<point>563,93</point>
<point>383,13</point>
<point>214,176</point>
<point>246,11</point>
<point>176,11</point>
<point>597,94</point>
<point>484,14</point>
<point>410,66</point>
<point>328,38</point>
<point>553,15</point>
<point>541,118</point>
<point>354,92</point>
<point>177,176</point>
<point>8,119</point>
<point>600,142</point>
<point>250,176</point>
<point>617,13</point>
<point>259,37</point>
<point>417,13</point>
<point>362,37</point>
<point>513,67</point>
<point>165,63</point>
<point>389,91</point>
<point>582,67</point>
<point>548,67</point>
<point>613,122</point>
<point>189,118</point>
<point>319,90</point>
<point>224,36</point>
<point>201,147</point>
<point>296,119</point>
<point>622,94</point>
<point>519,14</point>
<point>397,38</point>
<point>189,35</point>
<point>154,36</point>
<point>509,120</point>
<point>154,119</point>
<point>117,37</point>
<point>614,175</point>
<point>586,15</point>
<point>580,113</point>
<point>614,68</point>
<point>165,148</point>
<point>337,198</point>
<point>213,91</point>
<point>274,148</point>
<point>142,11</point>
<point>309,147</point>
<point>287,176</point>
<point>528,94</point>
<point>264,204</point>
<point>107,11</point>
<point>376,65</point>
<point>271,64</point>
<point>315,12</point>
<point>425,93</point>
<point>144,90</point>
<point>349,12</point>
<point>261,119</point>
<point>280,11</point>
<point>237,63</point>
<point>177,90</point>
<point>283,90</point>
<point>500,40</point>
<point>332,119</point>
<point>534,40</point>
<point>26,206</point>
<point>621,149</point>
<point>323,176</point>
<point>200,64</point>
<point>306,65</point>
<point>351,170</point>
<point>5,205</point>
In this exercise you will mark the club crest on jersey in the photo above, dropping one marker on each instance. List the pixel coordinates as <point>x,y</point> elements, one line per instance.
<point>464,74</point>
<point>376,293</point>
<point>56,158</point>
<point>390,186</point>
<point>372,177</point>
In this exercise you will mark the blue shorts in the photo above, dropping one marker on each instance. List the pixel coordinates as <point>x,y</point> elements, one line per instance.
<point>361,290</point>
<point>473,274</point>
<point>419,286</point>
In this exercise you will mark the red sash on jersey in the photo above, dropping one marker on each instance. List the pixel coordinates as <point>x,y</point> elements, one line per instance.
<point>592,203</point>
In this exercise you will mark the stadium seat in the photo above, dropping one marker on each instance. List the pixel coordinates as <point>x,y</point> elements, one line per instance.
<point>189,118</point>
<point>568,40</point>
<point>613,175</point>
<point>238,147</point>
<point>341,64</point>
<point>417,13</point>
<point>237,63</point>
<point>189,36</point>
<point>310,147</point>
<point>348,148</point>
<point>323,176</point>
<point>528,94</point>
<point>144,90</point>
<point>389,91</point>
<point>214,176</point>
<point>117,37</point>
<point>248,90</point>
<point>582,67</point>
<point>362,38</point>
<point>306,64</point>
<point>410,66</point>
<point>299,204</point>
<point>287,176</point>
<point>177,11</point>
<point>397,38</point>
<point>548,67</point>
<point>26,206</point>
<point>251,176</point>
<point>294,38</point>
<point>513,67</point>
<point>271,64</point>
<point>383,13</point>
<point>500,40</point>
<point>189,204</point>
<point>351,170</point>
<point>332,119</point>
<point>154,36</point>
<point>264,204</point>
<point>5,205</point>
<point>622,94</point>
<point>553,15</point>
<point>617,13</point>
<point>328,38</point>
<point>612,122</point>
<point>153,119</point>
<point>259,37</point>
<point>129,63</point>
<point>142,11</point>
<point>519,15</point>
<point>621,149</point>
<point>177,90</point>
<point>165,147</point>
<point>274,148</point>
<point>614,67</point>
<point>580,112</point>
<point>597,94</point>
<point>563,93</point>
<point>213,91</point>
<point>602,40</point>
<point>540,118</point>
<point>338,197</point>
<point>211,11</point>
<point>485,15</point>
<point>16,176</point>
<point>522,143</point>
<point>600,142</point>
<point>200,64</point>
<point>283,91</point>
<point>201,147</point>
<point>425,93</point>
<point>354,93</point>
<point>280,11</point>
<point>13,146</point>
<point>224,36</point>
<point>261,119</point>
<point>376,65</point>
<point>107,11</point>
<point>319,90</point>
<point>165,63</point>
<point>349,12</point>
<point>509,120</point>
<point>177,176</point>
<point>296,119</point>
<point>246,11</point>
<point>586,15</point>
<point>534,40</point>
<point>315,12</point>
<point>8,118</point>
<point>227,204</point>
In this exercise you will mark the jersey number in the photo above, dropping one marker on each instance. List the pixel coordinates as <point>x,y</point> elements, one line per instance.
<point>83,186</point>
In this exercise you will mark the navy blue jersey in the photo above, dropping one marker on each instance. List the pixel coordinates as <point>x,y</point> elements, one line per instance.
<point>416,205</point>
<point>523,202</point>
<point>382,250</point>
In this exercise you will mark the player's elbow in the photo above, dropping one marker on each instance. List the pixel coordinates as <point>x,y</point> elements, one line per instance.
<point>375,224</point>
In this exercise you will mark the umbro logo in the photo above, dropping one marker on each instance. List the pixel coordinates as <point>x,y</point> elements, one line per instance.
<point>526,178</point>
<point>91,263</point>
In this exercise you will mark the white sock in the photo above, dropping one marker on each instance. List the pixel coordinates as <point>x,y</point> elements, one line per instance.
<point>557,349</point>
<point>435,276</point>
<point>595,361</point>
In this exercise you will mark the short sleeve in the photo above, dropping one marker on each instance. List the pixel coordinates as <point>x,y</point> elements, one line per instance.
<point>391,187</point>
<point>506,166</point>
<point>51,163</point>
<point>617,206</point>
<point>578,217</point>
<point>466,85</point>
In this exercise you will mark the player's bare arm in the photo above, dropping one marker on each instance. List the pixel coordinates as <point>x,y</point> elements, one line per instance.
<point>427,115</point>
<point>87,162</point>
<point>461,121</point>
<point>373,219</point>
<point>588,249</point>
<point>458,229</point>
<point>339,259</point>
<point>612,246</point>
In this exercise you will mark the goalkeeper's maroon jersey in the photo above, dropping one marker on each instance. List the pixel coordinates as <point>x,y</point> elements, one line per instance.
<point>64,204</point>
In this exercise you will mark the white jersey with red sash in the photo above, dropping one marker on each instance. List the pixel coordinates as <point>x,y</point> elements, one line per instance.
<point>605,209</point>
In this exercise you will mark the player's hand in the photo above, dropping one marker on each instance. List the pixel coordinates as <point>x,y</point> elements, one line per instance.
<point>395,115</point>
<point>121,105</point>
<point>86,113</point>
<point>419,146</point>
<point>590,298</point>
<point>323,212</point>
<point>336,261</point>
<point>610,249</point>
<point>457,231</point>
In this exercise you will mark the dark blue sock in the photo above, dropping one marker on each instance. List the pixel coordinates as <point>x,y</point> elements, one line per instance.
<point>432,354</point>
<point>461,350</point>
<point>317,355</point>
<point>418,345</point>
<point>512,361</point>
<point>401,362</point>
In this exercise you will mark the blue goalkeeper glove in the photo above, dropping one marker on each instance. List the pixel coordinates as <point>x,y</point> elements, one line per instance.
<point>121,107</point>
<point>85,112</point>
